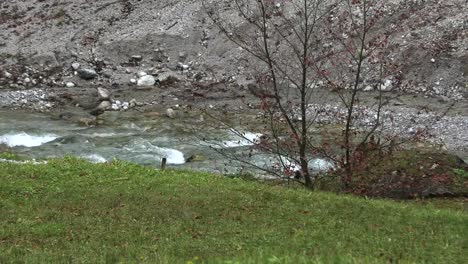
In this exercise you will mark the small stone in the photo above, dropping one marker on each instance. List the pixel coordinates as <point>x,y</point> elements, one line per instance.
<point>170,113</point>
<point>104,105</point>
<point>133,102</point>
<point>386,86</point>
<point>133,81</point>
<point>141,74</point>
<point>87,74</point>
<point>115,107</point>
<point>165,76</point>
<point>27,80</point>
<point>69,85</point>
<point>432,60</point>
<point>147,80</point>
<point>137,58</point>
<point>8,75</point>
<point>75,66</point>
<point>103,93</point>
<point>182,66</point>
<point>107,74</point>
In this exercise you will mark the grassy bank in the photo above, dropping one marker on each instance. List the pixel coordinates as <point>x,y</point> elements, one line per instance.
<point>73,211</point>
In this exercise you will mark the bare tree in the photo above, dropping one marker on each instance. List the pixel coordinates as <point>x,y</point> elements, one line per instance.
<point>304,46</point>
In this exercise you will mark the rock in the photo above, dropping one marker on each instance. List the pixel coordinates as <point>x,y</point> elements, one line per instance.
<point>69,84</point>
<point>115,107</point>
<point>147,80</point>
<point>87,74</point>
<point>171,113</point>
<point>133,103</point>
<point>101,108</point>
<point>8,75</point>
<point>387,85</point>
<point>27,80</point>
<point>182,66</point>
<point>166,76</point>
<point>85,121</point>
<point>75,66</point>
<point>133,81</point>
<point>136,58</point>
<point>104,105</point>
<point>141,74</point>
<point>195,157</point>
<point>107,73</point>
<point>103,93</point>
<point>125,105</point>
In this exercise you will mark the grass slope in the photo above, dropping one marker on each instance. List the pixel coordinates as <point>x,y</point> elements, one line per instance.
<point>73,211</point>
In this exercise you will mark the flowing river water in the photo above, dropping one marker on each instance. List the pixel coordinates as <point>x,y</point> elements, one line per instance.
<point>186,142</point>
<point>129,137</point>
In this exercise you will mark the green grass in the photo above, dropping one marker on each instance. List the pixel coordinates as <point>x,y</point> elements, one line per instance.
<point>72,211</point>
<point>10,156</point>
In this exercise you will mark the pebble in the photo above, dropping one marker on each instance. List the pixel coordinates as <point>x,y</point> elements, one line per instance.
<point>147,80</point>
<point>87,74</point>
<point>133,103</point>
<point>141,74</point>
<point>170,113</point>
<point>115,107</point>
<point>103,93</point>
<point>35,99</point>
<point>104,105</point>
<point>8,75</point>
<point>75,66</point>
<point>137,58</point>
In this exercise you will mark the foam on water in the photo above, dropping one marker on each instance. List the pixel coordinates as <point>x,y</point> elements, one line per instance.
<point>26,140</point>
<point>95,158</point>
<point>245,139</point>
<point>173,155</point>
<point>321,165</point>
<point>145,147</point>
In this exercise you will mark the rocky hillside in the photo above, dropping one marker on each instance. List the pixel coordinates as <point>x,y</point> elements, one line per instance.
<point>69,43</point>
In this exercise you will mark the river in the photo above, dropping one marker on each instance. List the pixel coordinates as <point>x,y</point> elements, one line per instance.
<point>127,137</point>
